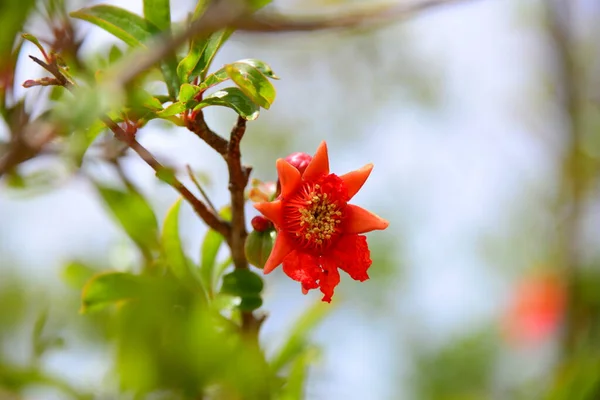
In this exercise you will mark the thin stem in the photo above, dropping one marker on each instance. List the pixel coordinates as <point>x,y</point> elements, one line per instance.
<point>200,188</point>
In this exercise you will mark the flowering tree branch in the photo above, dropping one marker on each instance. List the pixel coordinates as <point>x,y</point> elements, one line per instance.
<point>238,179</point>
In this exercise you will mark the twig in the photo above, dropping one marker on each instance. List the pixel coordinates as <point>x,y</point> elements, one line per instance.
<point>238,179</point>
<point>202,192</point>
<point>209,217</point>
<point>234,14</point>
<point>359,18</point>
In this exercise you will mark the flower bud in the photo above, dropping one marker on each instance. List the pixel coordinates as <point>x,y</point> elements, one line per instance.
<point>261,224</point>
<point>258,247</point>
<point>299,160</point>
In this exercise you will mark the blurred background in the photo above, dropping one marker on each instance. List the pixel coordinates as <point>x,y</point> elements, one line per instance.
<point>483,121</point>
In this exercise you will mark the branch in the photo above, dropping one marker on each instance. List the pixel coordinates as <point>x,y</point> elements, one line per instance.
<point>359,18</point>
<point>201,129</point>
<point>238,179</point>
<point>234,14</point>
<point>209,217</point>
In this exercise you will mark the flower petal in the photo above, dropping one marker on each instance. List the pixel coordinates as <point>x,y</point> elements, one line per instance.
<point>359,220</point>
<point>355,179</point>
<point>352,255</point>
<point>330,277</point>
<point>272,210</point>
<point>289,177</point>
<point>282,247</point>
<point>319,165</point>
<point>304,268</point>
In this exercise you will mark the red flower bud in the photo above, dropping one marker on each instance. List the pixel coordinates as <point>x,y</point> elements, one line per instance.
<point>261,224</point>
<point>299,160</point>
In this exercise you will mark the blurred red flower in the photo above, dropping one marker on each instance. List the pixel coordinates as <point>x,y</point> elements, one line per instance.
<point>317,230</point>
<point>536,310</point>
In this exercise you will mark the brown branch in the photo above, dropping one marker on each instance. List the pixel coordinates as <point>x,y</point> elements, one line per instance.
<point>234,14</point>
<point>209,217</point>
<point>238,179</point>
<point>200,128</point>
<point>359,18</point>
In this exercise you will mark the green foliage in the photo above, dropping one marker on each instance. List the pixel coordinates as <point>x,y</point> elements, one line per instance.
<point>252,82</point>
<point>173,253</point>
<point>232,98</point>
<point>125,25</point>
<point>158,12</point>
<point>134,215</point>
<point>12,17</point>
<point>466,373</point>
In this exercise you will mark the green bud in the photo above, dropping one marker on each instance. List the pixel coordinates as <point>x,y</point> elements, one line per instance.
<point>258,247</point>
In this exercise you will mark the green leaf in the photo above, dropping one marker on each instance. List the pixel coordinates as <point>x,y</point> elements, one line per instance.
<point>214,79</point>
<point>262,66</point>
<point>210,49</point>
<point>252,82</point>
<point>168,67</point>
<point>297,341</point>
<point>76,274</point>
<point>296,379</point>
<point>171,243</point>
<point>125,25</point>
<point>187,92</point>
<point>159,13</point>
<point>210,248</point>
<point>200,8</point>
<point>13,15</point>
<point>107,288</point>
<point>33,40</point>
<point>258,4</point>
<point>242,283</point>
<point>233,98</point>
<point>173,253</point>
<point>134,214</point>
<point>173,109</point>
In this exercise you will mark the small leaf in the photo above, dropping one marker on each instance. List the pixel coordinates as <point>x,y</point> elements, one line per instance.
<point>172,250</point>
<point>158,12</point>
<point>34,40</point>
<point>125,25</point>
<point>173,109</point>
<point>233,98</point>
<point>187,92</point>
<point>76,274</point>
<point>242,283</point>
<point>262,66</point>
<point>214,79</point>
<point>200,8</point>
<point>134,214</point>
<point>210,49</point>
<point>107,288</point>
<point>189,62</point>
<point>210,248</point>
<point>252,82</point>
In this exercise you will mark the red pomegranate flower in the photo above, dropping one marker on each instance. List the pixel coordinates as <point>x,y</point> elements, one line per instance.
<point>317,230</point>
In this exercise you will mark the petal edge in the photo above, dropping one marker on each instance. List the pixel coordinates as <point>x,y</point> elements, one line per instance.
<point>359,220</point>
<point>319,165</point>
<point>354,180</point>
